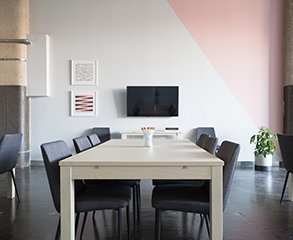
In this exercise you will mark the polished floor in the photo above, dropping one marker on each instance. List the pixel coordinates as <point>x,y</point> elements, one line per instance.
<point>253,211</point>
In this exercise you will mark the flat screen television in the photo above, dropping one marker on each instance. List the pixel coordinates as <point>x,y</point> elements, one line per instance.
<point>152,101</point>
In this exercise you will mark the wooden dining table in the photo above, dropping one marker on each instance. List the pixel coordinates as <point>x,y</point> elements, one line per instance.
<point>129,159</point>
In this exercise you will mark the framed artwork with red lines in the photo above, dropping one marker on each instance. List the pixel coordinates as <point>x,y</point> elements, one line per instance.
<point>84,103</point>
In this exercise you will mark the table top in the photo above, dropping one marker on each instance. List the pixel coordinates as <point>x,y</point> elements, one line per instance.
<point>131,152</point>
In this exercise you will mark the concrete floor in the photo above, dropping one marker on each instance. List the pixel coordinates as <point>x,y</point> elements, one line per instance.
<point>253,211</point>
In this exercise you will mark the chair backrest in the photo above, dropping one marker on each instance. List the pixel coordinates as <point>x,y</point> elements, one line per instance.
<point>9,148</point>
<point>203,137</point>
<point>53,153</point>
<point>210,145</point>
<point>286,146</point>
<point>228,152</point>
<point>206,130</point>
<point>81,144</point>
<point>94,139</point>
<point>103,133</point>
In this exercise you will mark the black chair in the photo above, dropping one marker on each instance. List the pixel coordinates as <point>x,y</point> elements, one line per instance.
<point>205,130</point>
<point>208,131</point>
<point>286,146</point>
<point>87,197</point>
<point>81,144</point>
<point>195,199</point>
<point>203,137</point>
<point>9,148</point>
<point>103,133</point>
<point>94,139</point>
<point>210,145</point>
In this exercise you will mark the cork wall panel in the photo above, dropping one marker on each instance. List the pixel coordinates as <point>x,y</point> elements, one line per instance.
<point>13,19</point>
<point>12,50</point>
<point>288,41</point>
<point>13,73</point>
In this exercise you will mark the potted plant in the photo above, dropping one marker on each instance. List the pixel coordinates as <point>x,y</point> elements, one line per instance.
<point>264,148</point>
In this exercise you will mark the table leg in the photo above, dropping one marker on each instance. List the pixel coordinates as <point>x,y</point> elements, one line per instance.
<point>290,187</point>
<point>178,135</point>
<point>10,185</point>
<point>216,203</point>
<point>67,204</point>
<point>124,136</point>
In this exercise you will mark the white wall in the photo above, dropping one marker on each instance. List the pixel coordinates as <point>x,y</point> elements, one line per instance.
<point>136,43</point>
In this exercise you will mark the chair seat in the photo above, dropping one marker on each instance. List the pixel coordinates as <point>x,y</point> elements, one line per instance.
<point>181,198</point>
<point>130,183</point>
<point>196,183</point>
<point>98,197</point>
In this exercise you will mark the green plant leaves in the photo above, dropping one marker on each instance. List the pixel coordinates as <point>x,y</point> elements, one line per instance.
<point>264,144</point>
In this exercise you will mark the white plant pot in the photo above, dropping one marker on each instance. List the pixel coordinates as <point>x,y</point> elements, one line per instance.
<point>263,163</point>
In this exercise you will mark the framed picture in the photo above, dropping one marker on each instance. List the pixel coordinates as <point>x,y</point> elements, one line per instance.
<point>84,103</point>
<point>84,72</point>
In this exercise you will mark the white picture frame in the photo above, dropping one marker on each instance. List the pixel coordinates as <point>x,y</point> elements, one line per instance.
<point>84,72</point>
<point>84,103</point>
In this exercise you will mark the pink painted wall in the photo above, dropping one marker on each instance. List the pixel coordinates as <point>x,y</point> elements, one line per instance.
<point>243,41</point>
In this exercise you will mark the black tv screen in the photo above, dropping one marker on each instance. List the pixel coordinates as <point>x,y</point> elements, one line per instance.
<point>145,101</point>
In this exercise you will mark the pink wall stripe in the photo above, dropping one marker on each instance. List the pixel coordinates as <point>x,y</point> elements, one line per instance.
<point>243,41</point>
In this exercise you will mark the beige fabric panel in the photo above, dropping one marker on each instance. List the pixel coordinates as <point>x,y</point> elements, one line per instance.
<point>13,19</point>
<point>288,43</point>
<point>13,73</point>
<point>13,25</point>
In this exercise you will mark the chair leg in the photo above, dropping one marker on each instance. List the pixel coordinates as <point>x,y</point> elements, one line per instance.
<point>138,201</point>
<point>128,222</point>
<point>94,214</point>
<point>207,220</point>
<point>139,194</point>
<point>57,235</point>
<point>119,224</point>
<point>16,190</point>
<point>158,224</point>
<point>134,211</point>
<point>76,222</point>
<point>83,224</point>
<point>284,187</point>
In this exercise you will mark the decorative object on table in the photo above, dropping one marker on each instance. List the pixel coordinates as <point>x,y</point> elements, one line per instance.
<point>148,136</point>
<point>84,72</point>
<point>264,148</point>
<point>84,103</point>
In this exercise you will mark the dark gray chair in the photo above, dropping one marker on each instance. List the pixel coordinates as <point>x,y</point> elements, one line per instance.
<point>87,197</point>
<point>210,145</point>
<point>81,144</point>
<point>103,133</point>
<point>203,137</point>
<point>286,146</point>
<point>208,131</point>
<point>195,199</point>
<point>9,148</point>
<point>94,139</point>
<point>205,130</point>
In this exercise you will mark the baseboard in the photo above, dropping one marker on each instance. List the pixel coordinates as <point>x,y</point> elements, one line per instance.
<point>263,168</point>
<point>245,163</point>
<point>37,163</point>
